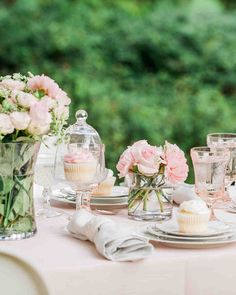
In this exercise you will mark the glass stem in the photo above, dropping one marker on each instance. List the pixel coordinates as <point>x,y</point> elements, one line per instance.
<point>83,199</point>
<point>211,207</point>
<point>46,197</point>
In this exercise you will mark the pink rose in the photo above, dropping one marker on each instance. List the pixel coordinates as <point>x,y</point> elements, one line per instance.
<point>24,99</point>
<point>125,162</point>
<point>6,126</point>
<point>39,113</point>
<point>147,158</point>
<point>12,84</point>
<point>20,120</point>
<point>176,164</point>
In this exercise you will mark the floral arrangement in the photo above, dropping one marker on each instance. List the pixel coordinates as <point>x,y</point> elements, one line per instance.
<point>31,106</point>
<point>152,166</point>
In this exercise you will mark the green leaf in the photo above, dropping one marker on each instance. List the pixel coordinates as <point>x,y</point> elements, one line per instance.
<point>23,224</point>
<point>6,184</point>
<point>1,184</point>
<point>1,209</point>
<point>23,199</point>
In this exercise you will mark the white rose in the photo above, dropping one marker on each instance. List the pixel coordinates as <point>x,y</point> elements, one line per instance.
<point>20,120</point>
<point>36,128</point>
<point>6,126</point>
<point>12,84</point>
<point>24,99</point>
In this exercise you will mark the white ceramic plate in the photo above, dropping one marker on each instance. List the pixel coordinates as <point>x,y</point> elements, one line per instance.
<point>194,244</point>
<point>94,201</point>
<point>156,233</point>
<point>214,228</point>
<point>117,191</point>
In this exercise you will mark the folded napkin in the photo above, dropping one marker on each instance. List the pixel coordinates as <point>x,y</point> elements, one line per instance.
<point>184,192</point>
<point>110,241</point>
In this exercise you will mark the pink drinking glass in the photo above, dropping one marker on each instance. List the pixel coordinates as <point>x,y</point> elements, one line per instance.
<point>209,171</point>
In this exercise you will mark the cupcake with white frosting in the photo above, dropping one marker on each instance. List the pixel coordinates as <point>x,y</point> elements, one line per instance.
<point>193,216</point>
<point>105,187</point>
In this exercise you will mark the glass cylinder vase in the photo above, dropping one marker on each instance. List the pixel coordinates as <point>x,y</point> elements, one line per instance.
<point>150,199</point>
<point>17,161</point>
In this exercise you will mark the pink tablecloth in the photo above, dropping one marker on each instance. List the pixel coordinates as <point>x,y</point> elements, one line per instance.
<point>72,267</point>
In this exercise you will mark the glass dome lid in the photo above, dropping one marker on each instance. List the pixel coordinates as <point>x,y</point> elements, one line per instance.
<point>82,133</point>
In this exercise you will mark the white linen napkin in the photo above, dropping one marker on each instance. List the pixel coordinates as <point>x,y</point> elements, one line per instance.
<point>110,241</point>
<point>184,192</point>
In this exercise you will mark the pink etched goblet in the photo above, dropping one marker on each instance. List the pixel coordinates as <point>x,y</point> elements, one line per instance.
<point>209,171</point>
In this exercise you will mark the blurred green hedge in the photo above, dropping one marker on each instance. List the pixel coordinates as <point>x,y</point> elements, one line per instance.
<point>150,69</point>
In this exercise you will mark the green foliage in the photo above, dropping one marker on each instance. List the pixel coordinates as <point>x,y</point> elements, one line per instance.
<point>142,69</point>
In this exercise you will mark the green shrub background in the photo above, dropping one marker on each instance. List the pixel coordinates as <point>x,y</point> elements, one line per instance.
<point>143,69</point>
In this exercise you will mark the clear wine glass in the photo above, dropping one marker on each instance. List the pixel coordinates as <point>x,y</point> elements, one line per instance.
<point>209,171</point>
<point>226,141</point>
<point>44,176</point>
<point>80,160</point>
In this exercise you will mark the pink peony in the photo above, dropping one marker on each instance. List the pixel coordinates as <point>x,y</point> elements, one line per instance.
<point>50,88</point>
<point>6,126</point>
<point>147,157</point>
<point>125,162</point>
<point>20,120</point>
<point>176,164</point>
<point>12,84</point>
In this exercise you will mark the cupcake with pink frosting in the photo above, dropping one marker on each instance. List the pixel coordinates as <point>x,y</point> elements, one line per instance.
<point>80,167</point>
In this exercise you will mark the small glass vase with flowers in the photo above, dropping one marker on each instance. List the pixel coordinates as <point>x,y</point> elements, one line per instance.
<point>152,172</point>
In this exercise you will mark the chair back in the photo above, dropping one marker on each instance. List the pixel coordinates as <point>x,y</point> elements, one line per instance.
<point>19,276</point>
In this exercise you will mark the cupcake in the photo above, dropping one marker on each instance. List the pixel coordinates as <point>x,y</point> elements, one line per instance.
<point>193,216</point>
<point>79,167</point>
<point>105,187</point>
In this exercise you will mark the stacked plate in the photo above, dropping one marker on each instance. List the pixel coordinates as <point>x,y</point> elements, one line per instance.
<point>168,234</point>
<point>231,207</point>
<point>117,199</point>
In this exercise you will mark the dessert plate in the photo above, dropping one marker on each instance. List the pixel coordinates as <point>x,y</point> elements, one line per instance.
<point>214,228</point>
<point>58,196</point>
<point>153,231</point>
<point>194,244</point>
<point>117,191</point>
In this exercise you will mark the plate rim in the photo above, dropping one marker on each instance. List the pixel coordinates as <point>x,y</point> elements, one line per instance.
<point>197,243</point>
<point>190,238</point>
<point>222,231</point>
<point>66,201</point>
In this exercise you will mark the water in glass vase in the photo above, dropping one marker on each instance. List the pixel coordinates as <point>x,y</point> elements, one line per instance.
<point>150,203</point>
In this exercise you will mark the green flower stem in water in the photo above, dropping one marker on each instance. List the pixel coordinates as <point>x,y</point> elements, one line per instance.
<point>159,195</point>
<point>145,199</point>
<point>134,198</point>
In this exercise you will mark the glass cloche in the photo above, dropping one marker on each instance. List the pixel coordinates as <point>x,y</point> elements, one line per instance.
<point>80,160</point>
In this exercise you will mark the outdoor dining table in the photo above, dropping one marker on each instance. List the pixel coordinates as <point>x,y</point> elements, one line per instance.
<point>71,266</point>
